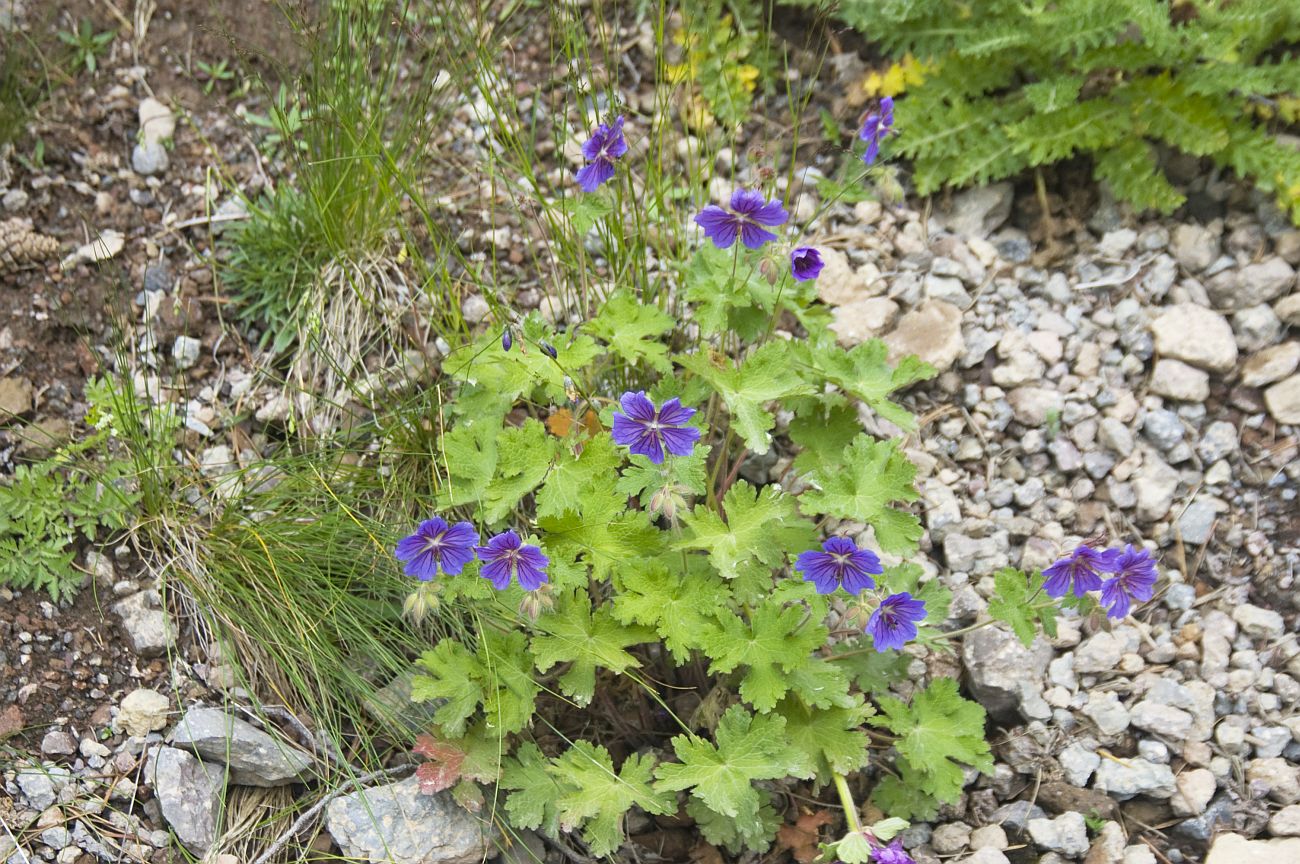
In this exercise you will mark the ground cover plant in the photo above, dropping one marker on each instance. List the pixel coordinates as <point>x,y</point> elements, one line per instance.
<point>1013,86</point>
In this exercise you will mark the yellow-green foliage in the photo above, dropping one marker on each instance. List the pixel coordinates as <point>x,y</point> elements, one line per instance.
<point>1013,85</point>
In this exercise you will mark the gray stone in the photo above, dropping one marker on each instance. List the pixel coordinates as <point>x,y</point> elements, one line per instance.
<point>1122,779</point>
<point>1109,845</point>
<point>1033,405</point>
<point>950,838</point>
<point>1218,441</point>
<point>1271,364</point>
<point>1003,673</point>
<point>149,158</point>
<point>1106,712</point>
<point>58,743</point>
<point>1277,777</point>
<point>1195,335</point>
<point>1236,849</point>
<point>989,837</point>
<point>1285,822</point>
<point>1066,834</point>
<point>987,855</point>
<point>1154,485</point>
<point>1256,327</point>
<point>399,824</point>
<point>1196,523</point>
<point>932,332</point>
<point>36,785</point>
<point>1115,435</point>
<point>863,319</point>
<point>1098,653</point>
<point>254,757</point>
<point>1174,379</point>
<point>185,351</point>
<point>1161,719</point>
<point>1195,788</point>
<point>1078,763</point>
<point>158,278</point>
<point>1255,284</point>
<point>1194,246</point>
<point>1257,622</point>
<point>15,398</point>
<point>147,625</point>
<point>1015,815</point>
<point>475,308</point>
<point>189,795</point>
<point>1283,400</point>
<point>980,211</point>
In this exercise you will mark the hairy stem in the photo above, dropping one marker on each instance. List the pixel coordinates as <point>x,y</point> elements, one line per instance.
<point>846,799</point>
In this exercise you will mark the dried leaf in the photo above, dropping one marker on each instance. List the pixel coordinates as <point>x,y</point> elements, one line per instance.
<point>443,768</point>
<point>801,837</point>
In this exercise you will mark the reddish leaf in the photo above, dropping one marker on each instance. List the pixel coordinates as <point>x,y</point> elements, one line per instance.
<point>801,837</point>
<point>443,768</point>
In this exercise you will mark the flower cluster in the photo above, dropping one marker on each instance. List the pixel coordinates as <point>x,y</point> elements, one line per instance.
<point>436,545</point>
<point>841,564</point>
<point>1132,574</point>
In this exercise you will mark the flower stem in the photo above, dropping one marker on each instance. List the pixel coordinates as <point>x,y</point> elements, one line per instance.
<point>846,800</point>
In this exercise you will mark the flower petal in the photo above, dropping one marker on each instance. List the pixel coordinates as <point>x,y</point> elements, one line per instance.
<point>673,413</point>
<point>719,226</point>
<point>754,237</point>
<point>592,176</point>
<point>680,441</point>
<point>770,214</point>
<point>637,406</point>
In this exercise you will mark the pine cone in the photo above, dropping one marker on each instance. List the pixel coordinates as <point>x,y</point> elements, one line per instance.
<point>22,247</point>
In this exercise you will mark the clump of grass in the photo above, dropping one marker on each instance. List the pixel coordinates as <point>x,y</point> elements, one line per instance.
<point>24,75</point>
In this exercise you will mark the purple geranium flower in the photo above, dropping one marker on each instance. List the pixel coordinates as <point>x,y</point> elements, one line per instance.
<point>891,854</point>
<point>876,128</point>
<point>1081,567</point>
<point>748,214</point>
<point>505,555</point>
<point>507,339</point>
<point>1134,579</point>
<point>840,562</point>
<point>436,544</point>
<point>649,432</point>
<point>894,621</point>
<point>805,263</point>
<point>604,146</point>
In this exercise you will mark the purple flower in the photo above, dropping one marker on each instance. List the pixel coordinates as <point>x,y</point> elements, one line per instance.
<point>894,621</point>
<point>549,350</point>
<point>604,146</point>
<point>840,562</point>
<point>436,544</point>
<point>749,212</point>
<point>649,432</point>
<point>506,340</point>
<point>805,263</point>
<point>505,555</point>
<point>891,854</point>
<point>876,128</point>
<point>1134,579</point>
<point>1081,567</point>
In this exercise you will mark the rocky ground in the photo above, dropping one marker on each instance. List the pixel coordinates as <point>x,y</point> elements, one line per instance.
<point>1100,372</point>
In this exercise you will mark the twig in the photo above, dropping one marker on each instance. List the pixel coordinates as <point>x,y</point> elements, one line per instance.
<point>314,810</point>
<point>572,854</point>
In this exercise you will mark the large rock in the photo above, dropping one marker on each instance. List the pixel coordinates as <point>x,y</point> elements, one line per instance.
<point>254,757</point>
<point>189,794</point>
<point>398,824</point>
<point>931,331</point>
<point>1283,400</point>
<point>1235,849</point>
<point>1004,673</point>
<point>1254,284</point>
<point>1123,778</point>
<point>1196,335</point>
<point>146,623</point>
<point>863,319</point>
<point>980,211</point>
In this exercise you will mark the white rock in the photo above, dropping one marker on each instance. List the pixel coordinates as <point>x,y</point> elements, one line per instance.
<point>989,837</point>
<point>1258,622</point>
<point>1195,788</point>
<point>1078,763</point>
<point>1124,778</point>
<point>185,351</point>
<point>1107,712</point>
<point>980,211</point>
<point>1195,335</point>
<point>1033,405</point>
<point>398,824</point>
<point>146,622</point>
<point>859,320</point>
<point>1140,854</point>
<point>1176,380</point>
<point>1066,834</point>
<point>149,158</point>
<point>932,332</point>
<point>838,284</point>
<point>475,308</point>
<point>189,796</point>
<point>1271,364</point>
<point>1285,822</point>
<point>987,855</point>
<point>1283,400</point>
<point>105,246</point>
<point>1194,246</point>
<point>1160,719</point>
<point>1098,653</point>
<point>1235,849</point>
<point>141,712</point>
<point>1154,485</point>
<point>1278,776</point>
<point>1259,283</point>
<point>157,122</point>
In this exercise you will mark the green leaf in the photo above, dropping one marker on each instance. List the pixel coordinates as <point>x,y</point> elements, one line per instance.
<point>598,797</point>
<point>535,792</point>
<point>499,677</point>
<point>766,375</point>
<point>602,531</point>
<point>1054,93</point>
<point>686,473</point>
<point>584,211</point>
<point>454,676</point>
<point>777,640</point>
<point>829,739</point>
<point>572,478</point>
<point>937,734</point>
<point>823,431</point>
<point>633,330</point>
<point>761,527</point>
<point>873,671</point>
<point>721,776</point>
<point>737,835</point>
<point>587,640</point>
<point>1012,593</point>
<point>864,371</point>
<point>875,474</point>
<point>524,457</point>
<point>680,606</point>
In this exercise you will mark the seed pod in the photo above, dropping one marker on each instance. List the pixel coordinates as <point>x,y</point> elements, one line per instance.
<point>506,340</point>
<point>549,349</point>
